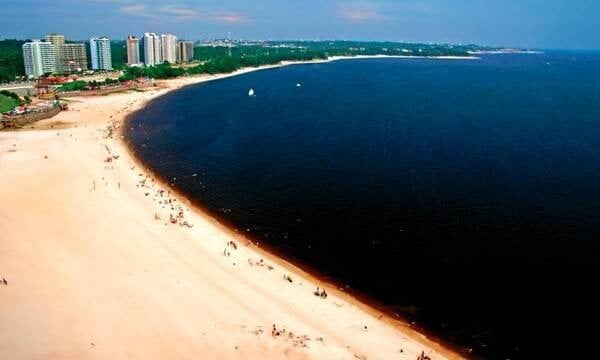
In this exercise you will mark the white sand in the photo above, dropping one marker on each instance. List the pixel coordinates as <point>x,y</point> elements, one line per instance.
<point>92,274</point>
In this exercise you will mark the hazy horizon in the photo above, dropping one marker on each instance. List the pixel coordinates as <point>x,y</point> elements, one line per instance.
<point>553,24</point>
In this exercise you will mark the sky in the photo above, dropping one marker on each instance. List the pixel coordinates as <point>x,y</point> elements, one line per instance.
<point>543,24</point>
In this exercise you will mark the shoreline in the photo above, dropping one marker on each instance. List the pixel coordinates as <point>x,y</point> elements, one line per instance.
<point>366,302</point>
<point>412,340</point>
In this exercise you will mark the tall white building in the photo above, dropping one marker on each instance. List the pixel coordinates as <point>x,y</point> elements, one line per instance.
<point>133,50</point>
<point>39,58</point>
<point>100,52</point>
<point>169,48</point>
<point>152,49</point>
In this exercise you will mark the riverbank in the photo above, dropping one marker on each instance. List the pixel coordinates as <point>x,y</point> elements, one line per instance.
<point>104,261</point>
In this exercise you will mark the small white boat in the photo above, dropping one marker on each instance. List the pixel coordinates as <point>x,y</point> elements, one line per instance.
<point>251,92</point>
<point>298,85</point>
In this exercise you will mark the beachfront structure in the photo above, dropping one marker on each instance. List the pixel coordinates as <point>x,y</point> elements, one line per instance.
<point>185,51</point>
<point>39,58</point>
<point>169,47</point>
<point>57,41</point>
<point>133,50</point>
<point>152,49</point>
<point>100,53</point>
<point>74,58</point>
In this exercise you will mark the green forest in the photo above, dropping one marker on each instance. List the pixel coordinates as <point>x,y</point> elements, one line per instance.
<point>11,60</point>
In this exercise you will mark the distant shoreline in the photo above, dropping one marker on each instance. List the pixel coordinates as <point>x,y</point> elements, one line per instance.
<point>441,57</point>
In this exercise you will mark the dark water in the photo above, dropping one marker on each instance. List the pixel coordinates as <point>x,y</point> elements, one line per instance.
<point>463,194</point>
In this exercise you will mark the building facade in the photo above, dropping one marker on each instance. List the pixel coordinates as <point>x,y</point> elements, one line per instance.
<point>169,48</point>
<point>152,49</point>
<point>39,58</point>
<point>100,53</point>
<point>74,58</point>
<point>133,50</point>
<point>185,51</point>
<point>57,41</point>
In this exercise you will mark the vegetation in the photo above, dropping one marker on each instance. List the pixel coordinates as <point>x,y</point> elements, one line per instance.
<point>8,101</point>
<point>11,60</point>
<point>118,51</point>
<point>161,71</point>
<point>98,84</point>
<point>73,86</point>
<point>85,85</point>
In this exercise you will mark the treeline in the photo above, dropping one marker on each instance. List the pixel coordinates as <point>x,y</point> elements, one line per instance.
<point>118,51</point>
<point>81,85</point>
<point>11,60</point>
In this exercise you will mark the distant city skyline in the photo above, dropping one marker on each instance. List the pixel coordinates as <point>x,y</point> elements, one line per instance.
<point>526,23</point>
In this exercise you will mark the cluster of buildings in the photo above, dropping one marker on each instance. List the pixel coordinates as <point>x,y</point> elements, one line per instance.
<point>158,49</point>
<point>54,55</point>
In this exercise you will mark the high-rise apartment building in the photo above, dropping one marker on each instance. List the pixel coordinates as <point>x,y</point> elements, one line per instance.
<point>39,58</point>
<point>152,49</point>
<point>133,50</point>
<point>185,51</point>
<point>169,48</point>
<point>74,58</point>
<point>57,41</point>
<point>68,57</point>
<point>100,53</point>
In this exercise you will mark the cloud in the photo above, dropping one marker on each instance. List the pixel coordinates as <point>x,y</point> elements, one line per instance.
<point>231,18</point>
<point>136,10</point>
<point>360,12</point>
<point>182,13</point>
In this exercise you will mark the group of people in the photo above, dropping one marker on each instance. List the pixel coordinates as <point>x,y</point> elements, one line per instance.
<point>320,293</point>
<point>297,340</point>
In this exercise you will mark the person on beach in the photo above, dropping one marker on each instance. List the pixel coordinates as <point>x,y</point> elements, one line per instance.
<point>275,332</point>
<point>423,356</point>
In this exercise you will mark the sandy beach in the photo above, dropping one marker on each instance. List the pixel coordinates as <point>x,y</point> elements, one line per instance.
<point>102,261</point>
